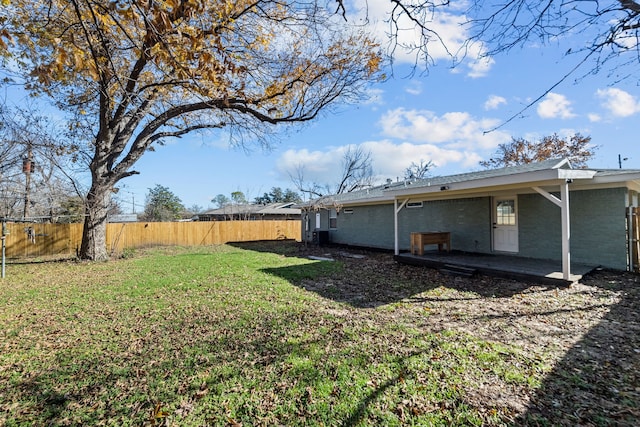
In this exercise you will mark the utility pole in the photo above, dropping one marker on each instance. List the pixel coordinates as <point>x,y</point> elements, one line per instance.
<point>27,168</point>
<point>620,160</point>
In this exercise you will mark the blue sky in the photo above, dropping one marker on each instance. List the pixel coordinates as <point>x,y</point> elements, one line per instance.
<point>439,116</point>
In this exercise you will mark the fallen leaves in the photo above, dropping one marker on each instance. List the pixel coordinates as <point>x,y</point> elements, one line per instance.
<point>260,343</point>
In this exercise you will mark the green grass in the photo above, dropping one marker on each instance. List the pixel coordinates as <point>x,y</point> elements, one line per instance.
<point>223,336</point>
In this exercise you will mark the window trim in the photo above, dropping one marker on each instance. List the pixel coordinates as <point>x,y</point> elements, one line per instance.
<point>333,219</point>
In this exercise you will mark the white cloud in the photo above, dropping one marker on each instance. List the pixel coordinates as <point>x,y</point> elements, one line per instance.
<point>453,141</point>
<point>454,129</point>
<point>373,97</point>
<point>322,167</point>
<point>564,133</point>
<point>594,118</point>
<point>480,67</point>
<point>447,41</point>
<point>414,88</point>
<point>390,159</point>
<point>618,102</point>
<point>494,102</point>
<point>555,106</point>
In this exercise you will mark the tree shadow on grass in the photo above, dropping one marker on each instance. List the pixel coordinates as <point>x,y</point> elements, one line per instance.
<point>597,383</point>
<point>369,279</point>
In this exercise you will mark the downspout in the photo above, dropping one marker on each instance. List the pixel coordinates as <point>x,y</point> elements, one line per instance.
<point>397,209</point>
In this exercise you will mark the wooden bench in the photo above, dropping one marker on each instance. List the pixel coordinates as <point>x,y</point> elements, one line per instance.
<point>421,238</point>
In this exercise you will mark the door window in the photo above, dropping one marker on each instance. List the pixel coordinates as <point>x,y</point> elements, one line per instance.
<point>506,212</point>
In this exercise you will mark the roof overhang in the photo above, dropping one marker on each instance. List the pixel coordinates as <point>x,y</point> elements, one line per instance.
<point>387,198</point>
<point>630,179</point>
<point>455,187</point>
<point>541,178</point>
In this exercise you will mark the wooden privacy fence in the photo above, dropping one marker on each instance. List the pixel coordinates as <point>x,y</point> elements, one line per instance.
<point>33,240</point>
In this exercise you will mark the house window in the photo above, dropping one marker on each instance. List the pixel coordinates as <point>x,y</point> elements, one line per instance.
<point>414,204</point>
<point>333,218</point>
<point>348,211</point>
<point>317,219</point>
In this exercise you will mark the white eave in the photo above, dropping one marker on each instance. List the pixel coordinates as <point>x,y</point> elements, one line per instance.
<point>548,174</point>
<point>526,179</point>
<point>622,176</point>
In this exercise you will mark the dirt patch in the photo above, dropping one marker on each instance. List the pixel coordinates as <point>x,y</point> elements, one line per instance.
<point>588,334</point>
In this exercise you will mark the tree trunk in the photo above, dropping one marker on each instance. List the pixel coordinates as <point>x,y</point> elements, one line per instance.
<point>94,234</point>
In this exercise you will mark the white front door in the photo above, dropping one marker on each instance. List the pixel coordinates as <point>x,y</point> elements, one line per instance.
<point>505,224</point>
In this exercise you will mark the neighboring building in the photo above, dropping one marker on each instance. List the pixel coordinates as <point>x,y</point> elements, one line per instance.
<point>249,212</point>
<point>123,218</point>
<point>546,210</point>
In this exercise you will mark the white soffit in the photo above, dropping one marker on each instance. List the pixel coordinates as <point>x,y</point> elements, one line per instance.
<point>524,179</point>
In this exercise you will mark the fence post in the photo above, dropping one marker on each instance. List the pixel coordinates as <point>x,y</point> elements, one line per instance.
<point>4,236</point>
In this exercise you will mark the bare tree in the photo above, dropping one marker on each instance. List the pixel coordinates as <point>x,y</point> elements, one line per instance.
<point>312,189</point>
<point>610,28</point>
<point>607,31</point>
<point>11,186</point>
<point>599,36</point>
<point>31,184</point>
<point>418,171</point>
<point>356,173</point>
<point>605,35</point>
<point>357,170</point>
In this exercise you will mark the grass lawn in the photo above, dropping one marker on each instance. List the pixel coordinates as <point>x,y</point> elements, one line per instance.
<point>258,334</point>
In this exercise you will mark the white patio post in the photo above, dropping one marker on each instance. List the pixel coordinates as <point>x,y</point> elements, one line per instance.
<point>395,226</point>
<point>397,209</point>
<point>566,231</point>
<point>563,204</point>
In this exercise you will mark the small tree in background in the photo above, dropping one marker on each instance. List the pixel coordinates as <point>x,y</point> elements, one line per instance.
<point>162,205</point>
<point>277,195</point>
<point>221,200</point>
<point>238,198</point>
<point>195,209</point>
<point>520,151</point>
<point>71,210</point>
<point>418,171</point>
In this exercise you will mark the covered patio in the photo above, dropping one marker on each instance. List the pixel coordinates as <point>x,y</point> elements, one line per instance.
<point>507,266</point>
<point>543,181</point>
